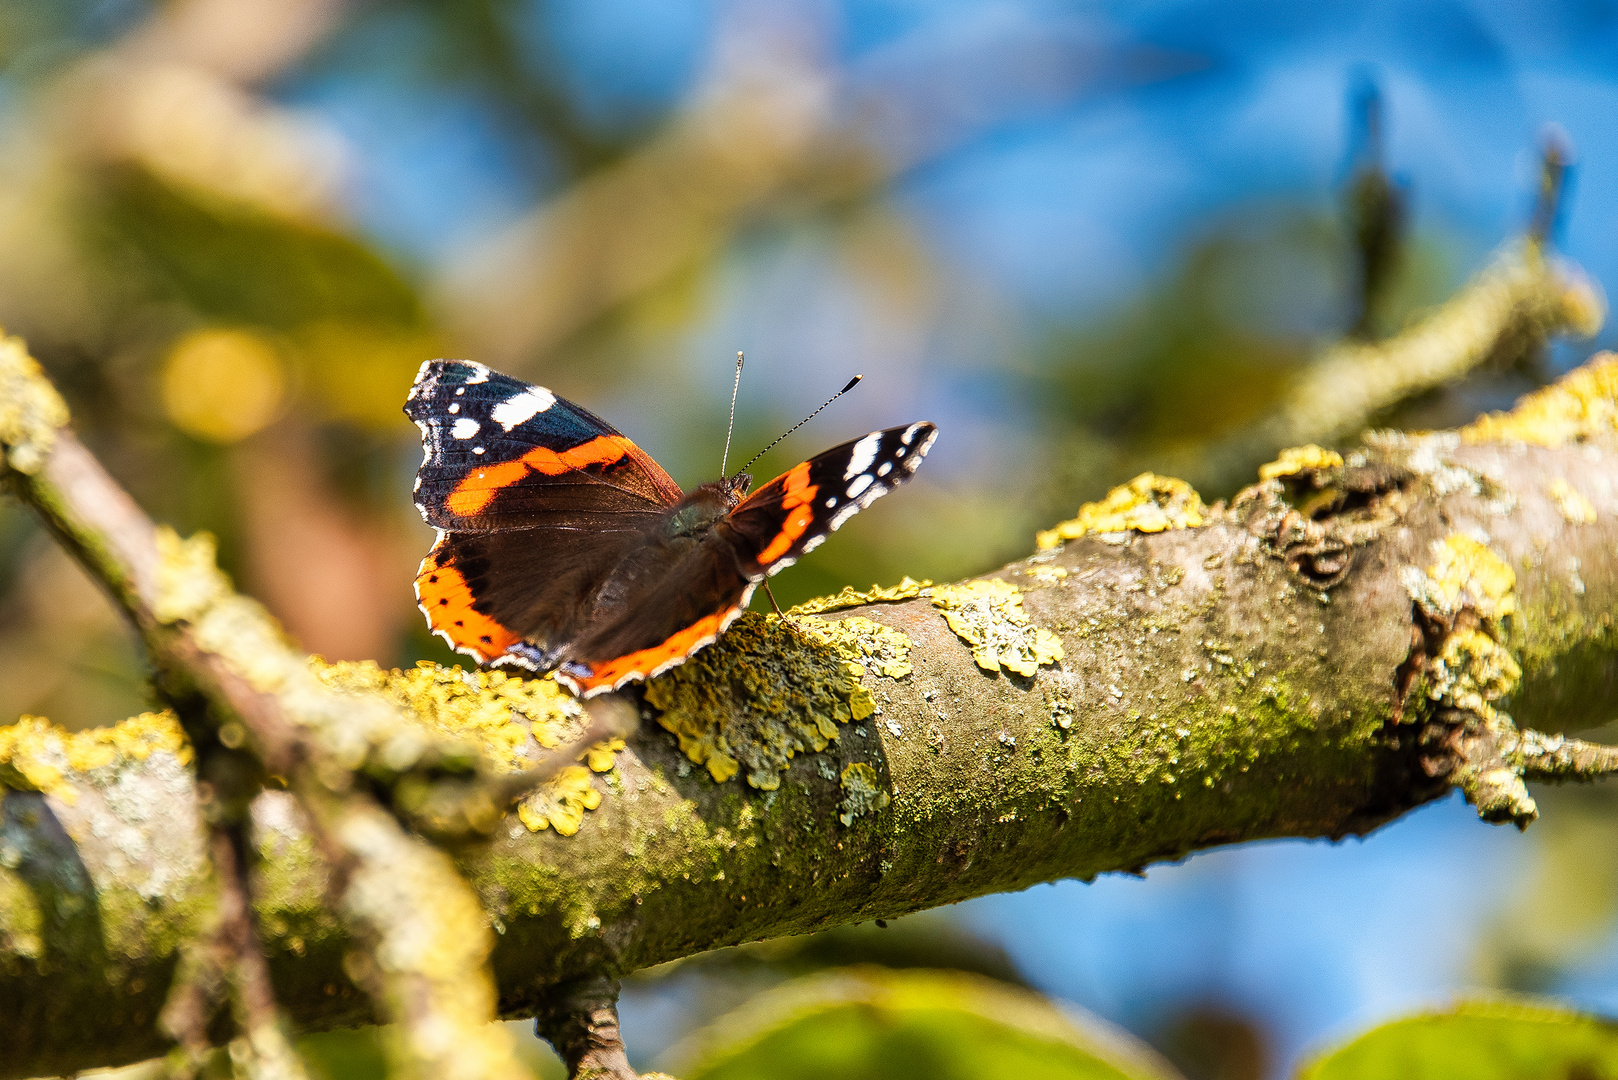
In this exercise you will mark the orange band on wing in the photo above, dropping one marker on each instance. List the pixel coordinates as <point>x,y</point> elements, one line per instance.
<point>478,489</point>
<point>646,661</point>
<point>799,494</point>
<point>447,601</point>
<point>601,450</point>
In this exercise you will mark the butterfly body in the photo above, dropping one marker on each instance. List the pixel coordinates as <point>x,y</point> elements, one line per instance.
<point>562,546</point>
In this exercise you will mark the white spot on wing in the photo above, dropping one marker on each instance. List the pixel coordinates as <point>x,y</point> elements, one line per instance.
<point>520,408</point>
<point>863,454</point>
<point>885,468</point>
<point>910,434</point>
<point>465,428</point>
<point>480,374</point>
<point>859,484</point>
<point>842,515</point>
<point>454,407</point>
<point>477,449</point>
<point>813,542</point>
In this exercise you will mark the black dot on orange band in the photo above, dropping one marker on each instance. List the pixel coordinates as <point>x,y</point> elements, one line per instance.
<point>485,639</point>
<point>443,603</point>
<point>459,623</point>
<point>433,580</point>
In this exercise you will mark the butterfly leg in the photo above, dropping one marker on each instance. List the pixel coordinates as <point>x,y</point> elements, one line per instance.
<point>771,595</point>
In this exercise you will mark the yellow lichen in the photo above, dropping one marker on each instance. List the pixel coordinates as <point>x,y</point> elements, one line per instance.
<point>771,688</point>
<point>1574,506</point>
<point>1466,575</point>
<point>1580,406</point>
<point>1473,667</point>
<point>864,643</point>
<point>1048,575</point>
<point>907,588</point>
<point>1149,503</point>
<point>988,615</point>
<point>862,792</point>
<point>30,409</point>
<point>36,755</point>
<point>561,802</point>
<point>603,756</point>
<point>1471,672</point>
<point>189,580</point>
<point>510,718</point>
<point>1298,459</point>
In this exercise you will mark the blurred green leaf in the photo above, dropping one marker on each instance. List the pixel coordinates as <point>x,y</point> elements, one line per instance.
<point>870,1022</point>
<point>927,939</point>
<point>1480,1040</point>
<point>232,262</point>
<point>361,1053</point>
<point>352,1054</point>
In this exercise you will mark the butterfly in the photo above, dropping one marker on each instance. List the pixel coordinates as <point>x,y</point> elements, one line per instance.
<point>563,547</point>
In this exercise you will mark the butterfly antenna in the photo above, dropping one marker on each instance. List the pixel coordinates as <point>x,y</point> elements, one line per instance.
<point>851,384</point>
<point>732,425</point>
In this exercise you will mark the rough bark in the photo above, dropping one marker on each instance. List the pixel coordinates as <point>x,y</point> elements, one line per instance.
<point>1341,643</point>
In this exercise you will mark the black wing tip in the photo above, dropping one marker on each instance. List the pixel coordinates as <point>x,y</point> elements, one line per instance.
<point>440,367</point>
<point>440,372</point>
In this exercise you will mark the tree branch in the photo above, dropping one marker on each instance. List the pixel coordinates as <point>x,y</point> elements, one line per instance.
<point>581,1020</point>
<point>1339,644</point>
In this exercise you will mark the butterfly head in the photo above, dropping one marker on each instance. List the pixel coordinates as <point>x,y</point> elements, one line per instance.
<point>736,487</point>
<point>729,490</point>
<point>708,503</point>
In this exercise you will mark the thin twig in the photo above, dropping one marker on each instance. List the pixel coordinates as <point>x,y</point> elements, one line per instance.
<point>1520,297</point>
<point>1556,157</point>
<point>581,1021</point>
<point>1558,758</point>
<point>263,1046</point>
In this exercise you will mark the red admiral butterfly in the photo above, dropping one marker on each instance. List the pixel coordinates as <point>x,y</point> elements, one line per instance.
<point>563,546</point>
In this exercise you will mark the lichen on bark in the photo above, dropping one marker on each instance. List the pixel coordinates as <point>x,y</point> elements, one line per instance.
<point>772,688</point>
<point>510,719</point>
<point>30,409</point>
<point>1148,503</point>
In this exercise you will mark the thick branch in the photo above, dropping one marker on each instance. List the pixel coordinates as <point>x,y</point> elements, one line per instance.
<point>1340,644</point>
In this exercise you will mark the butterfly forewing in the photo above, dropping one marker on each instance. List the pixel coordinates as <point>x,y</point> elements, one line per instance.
<point>500,453</point>
<point>794,513</point>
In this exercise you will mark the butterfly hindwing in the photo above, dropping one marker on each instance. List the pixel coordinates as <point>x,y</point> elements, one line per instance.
<point>680,605</point>
<point>516,596</point>
<point>794,513</point>
<point>500,453</point>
